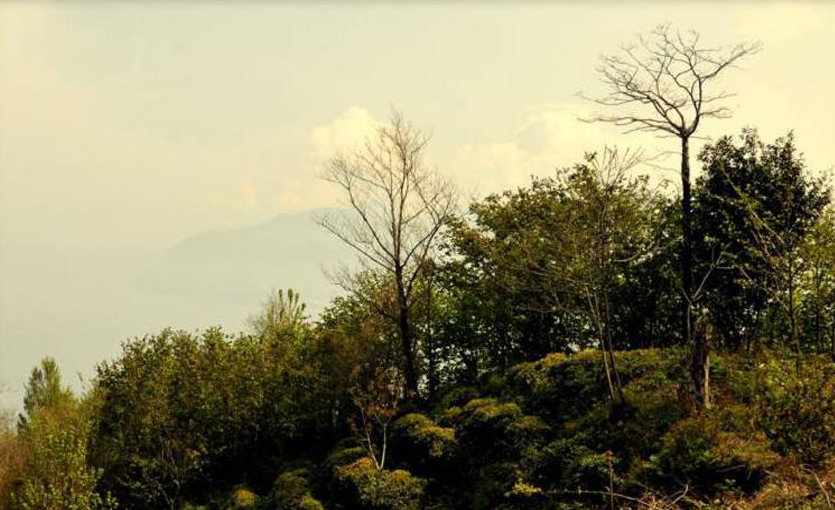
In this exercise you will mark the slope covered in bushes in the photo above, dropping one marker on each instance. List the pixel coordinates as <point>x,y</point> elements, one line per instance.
<point>545,436</point>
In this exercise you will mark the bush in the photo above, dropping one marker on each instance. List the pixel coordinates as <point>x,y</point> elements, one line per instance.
<point>343,457</point>
<point>291,491</point>
<point>568,464</point>
<point>423,438</point>
<point>714,452</point>
<point>55,473</point>
<point>797,408</point>
<point>381,489</point>
<point>455,397</point>
<point>564,387</point>
<point>242,498</point>
<point>488,428</point>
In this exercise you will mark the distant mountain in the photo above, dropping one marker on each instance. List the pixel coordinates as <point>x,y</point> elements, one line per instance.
<point>240,266</point>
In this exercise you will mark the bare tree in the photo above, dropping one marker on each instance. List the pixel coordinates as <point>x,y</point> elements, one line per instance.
<point>661,85</point>
<point>396,207</point>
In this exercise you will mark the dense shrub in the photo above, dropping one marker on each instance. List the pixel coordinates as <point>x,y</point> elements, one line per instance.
<point>568,463</point>
<point>797,408</point>
<point>54,473</point>
<point>344,456</point>
<point>490,424</point>
<point>381,489</point>
<point>418,439</point>
<point>563,387</point>
<point>707,450</point>
<point>291,491</point>
<point>455,397</point>
<point>242,498</point>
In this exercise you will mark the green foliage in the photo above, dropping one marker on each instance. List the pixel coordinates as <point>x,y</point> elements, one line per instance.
<point>797,410</point>
<point>708,451</point>
<point>382,489</point>
<point>282,316</point>
<point>344,456</point>
<point>242,498</point>
<point>456,397</point>
<point>55,475</point>
<point>418,437</point>
<point>176,407</point>
<point>818,301</point>
<point>291,491</point>
<point>514,410</point>
<point>523,268</point>
<point>45,390</point>
<point>495,439</point>
<point>567,463</point>
<point>754,206</point>
<point>11,456</point>
<point>563,388</point>
<point>487,422</point>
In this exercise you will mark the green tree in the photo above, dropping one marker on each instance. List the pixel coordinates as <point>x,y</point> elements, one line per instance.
<point>45,390</point>
<point>509,307</point>
<point>757,204</point>
<point>51,448</point>
<point>179,412</point>
<point>56,475</point>
<point>558,266</point>
<point>819,281</point>
<point>603,231</point>
<point>281,316</point>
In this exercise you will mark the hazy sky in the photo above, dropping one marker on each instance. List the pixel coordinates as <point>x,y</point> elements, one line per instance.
<point>128,126</point>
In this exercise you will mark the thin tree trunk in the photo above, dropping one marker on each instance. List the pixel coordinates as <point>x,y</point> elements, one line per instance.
<point>700,369</point>
<point>612,380</point>
<point>818,333</point>
<point>686,245</point>
<point>432,360</point>
<point>792,312</point>
<point>406,338</point>
<point>607,370</point>
<point>610,347</point>
<point>832,339</point>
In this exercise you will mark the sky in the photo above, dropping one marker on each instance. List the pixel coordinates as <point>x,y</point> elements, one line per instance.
<point>128,127</point>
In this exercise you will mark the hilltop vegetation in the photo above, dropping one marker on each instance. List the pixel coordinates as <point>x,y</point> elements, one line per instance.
<point>541,435</point>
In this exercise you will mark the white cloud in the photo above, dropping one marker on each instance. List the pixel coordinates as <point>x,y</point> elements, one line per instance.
<point>552,136</point>
<point>343,133</point>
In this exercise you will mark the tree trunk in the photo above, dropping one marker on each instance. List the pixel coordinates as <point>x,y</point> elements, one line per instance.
<point>406,338</point>
<point>621,401</point>
<point>432,376</point>
<point>607,370</point>
<point>795,338</point>
<point>832,339</point>
<point>700,373</point>
<point>818,333</point>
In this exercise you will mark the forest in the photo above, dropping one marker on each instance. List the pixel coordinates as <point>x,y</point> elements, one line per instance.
<point>595,339</point>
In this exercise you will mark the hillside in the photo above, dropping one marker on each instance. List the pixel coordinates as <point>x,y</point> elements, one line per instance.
<point>545,436</point>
